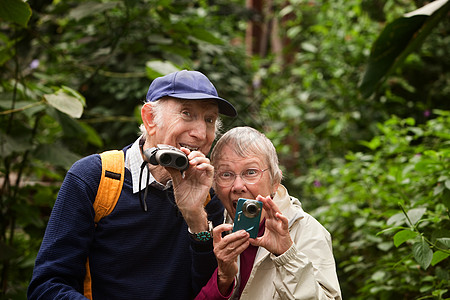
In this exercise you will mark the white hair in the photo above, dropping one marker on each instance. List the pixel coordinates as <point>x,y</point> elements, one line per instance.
<point>247,141</point>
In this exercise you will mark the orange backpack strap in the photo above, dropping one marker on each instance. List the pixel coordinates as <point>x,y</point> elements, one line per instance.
<point>109,189</point>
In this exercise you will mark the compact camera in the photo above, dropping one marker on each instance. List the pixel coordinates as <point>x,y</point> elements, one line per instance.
<point>248,216</point>
<point>167,156</point>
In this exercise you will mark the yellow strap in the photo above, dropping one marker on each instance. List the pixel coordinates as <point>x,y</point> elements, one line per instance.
<point>87,282</point>
<point>109,189</point>
<point>208,198</point>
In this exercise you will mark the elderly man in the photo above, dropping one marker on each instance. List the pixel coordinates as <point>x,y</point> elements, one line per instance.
<point>163,251</point>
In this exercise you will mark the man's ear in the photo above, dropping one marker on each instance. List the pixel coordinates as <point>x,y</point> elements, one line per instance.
<point>147,118</point>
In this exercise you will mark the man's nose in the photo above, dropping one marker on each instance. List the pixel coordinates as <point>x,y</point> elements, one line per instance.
<point>199,130</point>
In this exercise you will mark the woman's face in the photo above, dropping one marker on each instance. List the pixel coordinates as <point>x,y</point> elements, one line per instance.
<point>231,162</point>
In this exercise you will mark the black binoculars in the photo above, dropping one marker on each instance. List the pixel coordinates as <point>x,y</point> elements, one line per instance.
<point>167,156</point>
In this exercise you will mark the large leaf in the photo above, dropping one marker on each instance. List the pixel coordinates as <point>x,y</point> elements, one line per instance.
<point>16,11</point>
<point>398,40</point>
<point>415,214</point>
<point>10,144</point>
<point>91,8</point>
<point>403,236</point>
<point>56,154</point>
<point>423,254</point>
<point>438,256</point>
<point>157,68</point>
<point>64,101</point>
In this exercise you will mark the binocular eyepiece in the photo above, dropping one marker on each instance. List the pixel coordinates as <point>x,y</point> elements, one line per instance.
<point>167,156</point>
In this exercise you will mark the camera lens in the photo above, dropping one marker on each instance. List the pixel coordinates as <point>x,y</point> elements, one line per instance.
<point>165,159</point>
<point>250,209</point>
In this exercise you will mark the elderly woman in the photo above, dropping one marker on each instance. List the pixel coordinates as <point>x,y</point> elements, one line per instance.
<point>292,256</point>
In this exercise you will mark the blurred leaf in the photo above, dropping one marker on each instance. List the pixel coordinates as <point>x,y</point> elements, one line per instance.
<point>205,35</point>
<point>423,254</point>
<point>91,135</point>
<point>90,8</point>
<point>16,11</point>
<point>403,236</point>
<point>415,214</point>
<point>9,145</point>
<point>396,42</point>
<point>444,241</point>
<point>70,126</point>
<point>56,155</point>
<point>439,256</point>
<point>65,102</point>
<point>157,68</point>
<point>6,252</point>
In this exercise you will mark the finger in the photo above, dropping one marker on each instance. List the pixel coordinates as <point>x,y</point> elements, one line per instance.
<point>272,208</point>
<point>235,239</point>
<point>283,219</point>
<point>270,214</point>
<point>218,230</point>
<point>185,150</point>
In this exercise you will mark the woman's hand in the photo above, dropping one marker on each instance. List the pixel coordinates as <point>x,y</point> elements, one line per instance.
<point>227,249</point>
<point>276,238</point>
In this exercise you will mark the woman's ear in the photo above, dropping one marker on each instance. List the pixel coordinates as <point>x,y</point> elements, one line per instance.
<point>147,118</point>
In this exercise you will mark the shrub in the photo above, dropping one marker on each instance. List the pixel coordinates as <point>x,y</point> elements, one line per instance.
<point>388,211</point>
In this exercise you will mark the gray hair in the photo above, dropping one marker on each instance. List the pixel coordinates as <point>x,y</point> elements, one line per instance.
<point>247,141</point>
<point>158,108</point>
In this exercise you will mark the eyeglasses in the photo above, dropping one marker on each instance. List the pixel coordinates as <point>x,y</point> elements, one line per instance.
<point>249,176</point>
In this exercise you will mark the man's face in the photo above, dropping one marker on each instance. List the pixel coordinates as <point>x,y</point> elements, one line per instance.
<point>231,162</point>
<point>188,123</point>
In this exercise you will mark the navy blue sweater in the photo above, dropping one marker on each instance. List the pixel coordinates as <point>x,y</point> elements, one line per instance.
<point>133,254</point>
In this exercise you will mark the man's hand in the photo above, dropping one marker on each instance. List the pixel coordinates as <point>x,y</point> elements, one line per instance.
<point>192,188</point>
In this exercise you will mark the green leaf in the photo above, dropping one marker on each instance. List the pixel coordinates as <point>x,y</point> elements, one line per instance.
<point>447,184</point>
<point>423,254</point>
<point>16,11</point>
<point>6,252</point>
<point>157,68</point>
<point>415,214</point>
<point>92,136</point>
<point>438,256</point>
<point>90,8</point>
<point>396,42</point>
<point>444,241</point>
<point>56,155</point>
<point>65,102</point>
<point>403,236</point>
<point>9,145</point>
<point>206,36</point>
<point>70,126</point>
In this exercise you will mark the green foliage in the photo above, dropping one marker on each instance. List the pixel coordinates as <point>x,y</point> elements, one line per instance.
<point>398,40</point>
<point>388,210</point>
<point>73,76</point>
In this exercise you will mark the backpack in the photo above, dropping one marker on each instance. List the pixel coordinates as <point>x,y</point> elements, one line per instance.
<point>109,189</point>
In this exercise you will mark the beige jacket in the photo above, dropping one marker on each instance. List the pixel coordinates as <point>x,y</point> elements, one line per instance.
<point>306,271</point>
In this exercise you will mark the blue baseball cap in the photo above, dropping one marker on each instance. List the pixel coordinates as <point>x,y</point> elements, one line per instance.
<point>188,85</point>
